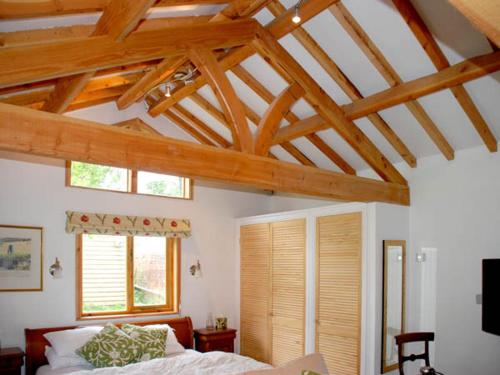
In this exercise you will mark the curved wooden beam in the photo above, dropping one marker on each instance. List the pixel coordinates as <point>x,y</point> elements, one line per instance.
<point>326,107</point>
<point>233,109</point>
<point>270,123</point>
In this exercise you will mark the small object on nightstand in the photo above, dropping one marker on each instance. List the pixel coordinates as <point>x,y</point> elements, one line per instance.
<point>209,340</point>
<point>11,361</point>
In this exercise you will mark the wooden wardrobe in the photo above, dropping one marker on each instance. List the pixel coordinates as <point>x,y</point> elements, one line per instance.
<point>273,291</point>
<point>272,323</point>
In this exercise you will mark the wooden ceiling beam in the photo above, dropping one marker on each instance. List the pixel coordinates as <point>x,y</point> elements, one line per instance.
<point>271,121</point>
<point>188,128</point>
<point>279,27</point>
<point>210,109</point>
<point>308,42</point>
<point>163,72</point>
<point>326,107</point>
<point>301,128</point>
<point>446,78</point>
<point>14,38</point>
<point>116,22</point>
<point>364,42</point>
<point>201,126</point>
<point>265,94</point>
<point>331,154</point>
<point>12,9</point>
<point>429,44</point>
<point>47,134</point>
<point>207,64</point>
<point>41,94</point>
<point>483,14</point>
<point>77,55</point>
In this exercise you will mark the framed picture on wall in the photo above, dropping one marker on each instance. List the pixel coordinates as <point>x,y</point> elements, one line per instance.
<point>21,258</point>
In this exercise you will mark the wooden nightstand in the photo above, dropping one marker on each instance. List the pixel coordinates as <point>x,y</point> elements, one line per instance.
<point>11,361</point>
<point>209,340</point>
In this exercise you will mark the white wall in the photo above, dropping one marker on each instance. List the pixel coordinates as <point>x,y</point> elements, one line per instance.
<point>34,194</point>
<point>456,208</point>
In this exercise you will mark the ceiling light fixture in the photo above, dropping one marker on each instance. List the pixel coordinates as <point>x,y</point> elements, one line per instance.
<point>168,94</point>
<point>296,18</point>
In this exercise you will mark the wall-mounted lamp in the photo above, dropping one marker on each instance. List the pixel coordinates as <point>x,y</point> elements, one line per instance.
<point>195,270</point>
<point>296,18</point>
<point>55,270</point>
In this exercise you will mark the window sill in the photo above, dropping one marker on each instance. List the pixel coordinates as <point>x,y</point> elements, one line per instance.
<point>125,315</point>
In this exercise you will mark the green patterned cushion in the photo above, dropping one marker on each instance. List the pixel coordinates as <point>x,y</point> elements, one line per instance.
<point>110,348</point>
<point>152,340</point>
<point>307,372</point>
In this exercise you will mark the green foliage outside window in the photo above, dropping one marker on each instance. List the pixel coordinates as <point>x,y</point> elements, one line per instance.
<point>98,176</point>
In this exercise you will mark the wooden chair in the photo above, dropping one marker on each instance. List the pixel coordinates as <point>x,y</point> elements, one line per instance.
<point>413,337</point>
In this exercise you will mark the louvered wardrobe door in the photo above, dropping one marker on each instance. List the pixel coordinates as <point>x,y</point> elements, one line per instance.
<point>288,290</point>
<point>255,258</point>
<point>338,297</point>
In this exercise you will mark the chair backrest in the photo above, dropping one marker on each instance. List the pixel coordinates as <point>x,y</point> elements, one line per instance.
<point>406,338</point>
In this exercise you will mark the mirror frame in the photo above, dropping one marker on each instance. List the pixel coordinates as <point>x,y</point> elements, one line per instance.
<point>387,243</point>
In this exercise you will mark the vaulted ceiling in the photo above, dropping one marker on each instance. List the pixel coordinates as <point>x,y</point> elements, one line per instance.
<point>355,85</point>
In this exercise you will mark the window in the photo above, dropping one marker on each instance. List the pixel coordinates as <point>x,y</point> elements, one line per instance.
<point>120,275</point>
<point>103,177</point>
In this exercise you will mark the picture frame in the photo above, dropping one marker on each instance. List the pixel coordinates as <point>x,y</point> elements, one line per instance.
<point>221,323</point>
<point>21,258</point>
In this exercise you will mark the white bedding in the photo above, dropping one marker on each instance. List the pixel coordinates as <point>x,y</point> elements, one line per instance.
<point>189,363</point>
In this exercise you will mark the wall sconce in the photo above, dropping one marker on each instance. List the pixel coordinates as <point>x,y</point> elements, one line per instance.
<point>55,270</point>
<point>195,270</point>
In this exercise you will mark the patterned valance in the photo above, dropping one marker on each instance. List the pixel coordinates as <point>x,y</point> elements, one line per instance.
<point>123,225</point>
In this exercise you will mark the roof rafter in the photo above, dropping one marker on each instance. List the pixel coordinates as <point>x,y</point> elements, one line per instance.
<point>345,84</point>
<point>429,44</point>
<point>200,125</point>
<point>164,70</point>
<point>53,135</point>
<point>279,27</point>
<point>326,107</point>
<point>188,128</point>
<point>446,78</point>
<point>364,42</point>
<point>117,21</point>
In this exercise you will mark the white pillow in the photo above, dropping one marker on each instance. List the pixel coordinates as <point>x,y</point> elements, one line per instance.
<point>57,361</point>
<point>172,346</point>
<point>66,342</point>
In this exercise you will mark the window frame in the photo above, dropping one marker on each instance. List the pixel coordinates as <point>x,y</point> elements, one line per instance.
<point>132,175</point>
<point>173,282</point>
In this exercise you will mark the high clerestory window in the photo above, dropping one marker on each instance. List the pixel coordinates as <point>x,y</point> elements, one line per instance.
<point>101,177</point>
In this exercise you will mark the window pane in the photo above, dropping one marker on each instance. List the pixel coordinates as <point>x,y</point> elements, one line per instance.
<point>150,271</point>
<point>104,273</point>
<point>99,176</point>
<point>160,184</point>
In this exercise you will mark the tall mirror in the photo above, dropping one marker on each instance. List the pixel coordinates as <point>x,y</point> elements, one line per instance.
<point>394,301</point>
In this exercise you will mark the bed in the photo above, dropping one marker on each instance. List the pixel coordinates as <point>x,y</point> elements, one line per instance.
<point>190,362</point>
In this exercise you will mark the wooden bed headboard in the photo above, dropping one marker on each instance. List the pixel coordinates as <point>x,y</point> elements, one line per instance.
<point>35,342</point>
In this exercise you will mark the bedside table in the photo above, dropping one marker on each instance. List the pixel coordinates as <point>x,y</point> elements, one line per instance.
<point>209,340</point>
<point>11,361</point>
